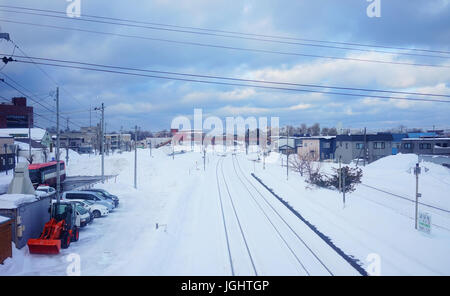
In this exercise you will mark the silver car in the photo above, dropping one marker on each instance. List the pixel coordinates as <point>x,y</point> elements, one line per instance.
<point>88,195</point>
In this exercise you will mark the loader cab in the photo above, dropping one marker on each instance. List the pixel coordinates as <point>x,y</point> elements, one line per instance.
<point>66,211</point>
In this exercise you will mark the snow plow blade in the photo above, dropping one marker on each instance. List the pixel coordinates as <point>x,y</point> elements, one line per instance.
<point>44,246</point>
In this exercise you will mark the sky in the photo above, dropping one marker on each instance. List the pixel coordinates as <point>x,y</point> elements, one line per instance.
<point>153,103</point>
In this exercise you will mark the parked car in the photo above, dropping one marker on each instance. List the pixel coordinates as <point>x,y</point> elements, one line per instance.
<point>45,191</point>
<point>106,195</point>
<point>97,210</point>
<point>83,216</point>
<point>88,195</point>
<point>81,204</point>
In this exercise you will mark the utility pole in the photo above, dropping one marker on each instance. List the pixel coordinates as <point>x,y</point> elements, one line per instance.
<point>287,153</point>
<point>67,142</point>
<point>102,139</point>
<point>150,145</point>
<point>135,156</point>
<point>29,138</point>
<point>58,180</point>
<point>417,173</point>
<point>340,175</point>
<point>67,151</point>
<point>204,159</point>
<point>365,147</point>
<point>434,139</point>
<point>344,187</point>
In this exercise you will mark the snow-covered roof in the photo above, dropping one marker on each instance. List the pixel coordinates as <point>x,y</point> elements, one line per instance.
<point>427,139</point>
<point>37,134</point>
<point>12,201</point>
<point>3,219</point>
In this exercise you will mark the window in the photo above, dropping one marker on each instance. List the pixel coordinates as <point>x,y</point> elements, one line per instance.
<point>408,146</point>
<point>378,145</point>
<point>326,145</point>
<point>359,145</point>
<point>346,145</point>
<point>425,146</point>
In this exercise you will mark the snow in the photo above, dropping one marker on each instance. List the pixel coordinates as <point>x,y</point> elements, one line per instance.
<point>3,219</point>
<point>12,201</point>
<point>184,201</point>
<point>37,134</point>
<point>5,180</point>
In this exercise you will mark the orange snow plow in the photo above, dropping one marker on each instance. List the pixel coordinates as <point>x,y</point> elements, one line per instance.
<point>49,242</point>
<point>58,233</point>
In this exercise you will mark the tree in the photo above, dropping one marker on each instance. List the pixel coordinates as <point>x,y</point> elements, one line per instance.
<point>351,176</point>
<point>332,132</point>
<point>315,129</point>
<point>325,131</point>
<point>303,129</point>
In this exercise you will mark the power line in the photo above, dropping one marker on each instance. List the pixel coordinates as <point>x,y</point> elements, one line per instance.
<point>222,31</point>
<point>240,79</point>
<point>30,95</point>
<point>228,47</point>
<point>34,113</point>
<point>31,98</point>
<point>42,70</point>
<point>237,84</point>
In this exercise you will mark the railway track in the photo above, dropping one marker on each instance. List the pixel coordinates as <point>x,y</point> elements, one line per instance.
<point>262,238</point>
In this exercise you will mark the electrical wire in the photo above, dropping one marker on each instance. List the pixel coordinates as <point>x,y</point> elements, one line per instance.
<point>238,79</point>
<point>230,47</point>
<point>212,31</point>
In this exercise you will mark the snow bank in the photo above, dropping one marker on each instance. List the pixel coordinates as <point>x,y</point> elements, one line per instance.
<point>12,201</point>
<point>399,162</point>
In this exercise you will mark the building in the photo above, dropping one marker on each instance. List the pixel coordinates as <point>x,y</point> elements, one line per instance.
<point>363,147</point>
<point>426,146</point>
<point>5,238</point>
<point>37,134</point>
<point>397,142</point>
<point>289,145</point>
<point>118,142</point>
<point>7,154</point>
<point>16,114</point>
<point>318,148</point>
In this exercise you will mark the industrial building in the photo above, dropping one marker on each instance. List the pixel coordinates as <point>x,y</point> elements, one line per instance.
<point>16,114</point>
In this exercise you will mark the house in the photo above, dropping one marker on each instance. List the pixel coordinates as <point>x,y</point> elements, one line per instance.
<point>319,148</point>
<point>369,147</point>
<point>426,146</point>
<point>37,134</point>
<point>288,145</point>
<point>397,142</point>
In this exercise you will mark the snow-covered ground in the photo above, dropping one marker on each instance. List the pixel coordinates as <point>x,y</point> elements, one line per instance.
<point>222,221</point>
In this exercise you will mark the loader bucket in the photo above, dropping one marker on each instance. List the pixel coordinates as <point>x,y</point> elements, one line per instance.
<point>44,246</point>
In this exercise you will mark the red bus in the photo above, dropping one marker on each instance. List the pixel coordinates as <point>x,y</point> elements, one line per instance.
<point>45,173</point>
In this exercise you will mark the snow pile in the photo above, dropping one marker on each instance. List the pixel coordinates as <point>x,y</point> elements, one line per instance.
<point>5,180</point>
<point>399,162</point>
<point>12,201</point>
<point>273,157</point>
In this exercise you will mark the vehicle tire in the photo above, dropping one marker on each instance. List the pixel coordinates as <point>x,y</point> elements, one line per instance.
<point>97,214</point>
<point>65,240</point>
<point>76,234</point>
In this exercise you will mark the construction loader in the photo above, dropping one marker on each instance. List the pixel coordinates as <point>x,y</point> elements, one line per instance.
<point>59,232</point>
